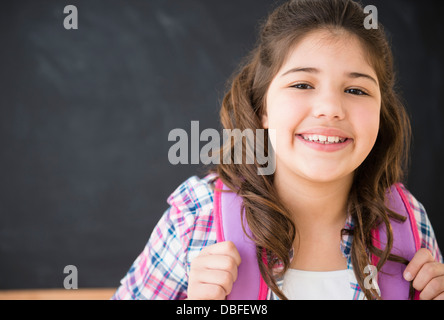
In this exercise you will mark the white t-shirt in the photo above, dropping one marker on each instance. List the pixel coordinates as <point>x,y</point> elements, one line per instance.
<point>313,285</point>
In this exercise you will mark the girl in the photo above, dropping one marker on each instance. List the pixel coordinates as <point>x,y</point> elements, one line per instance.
<point>322,86</point>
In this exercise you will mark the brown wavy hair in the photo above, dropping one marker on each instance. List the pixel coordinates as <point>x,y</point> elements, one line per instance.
<point>244,104</point>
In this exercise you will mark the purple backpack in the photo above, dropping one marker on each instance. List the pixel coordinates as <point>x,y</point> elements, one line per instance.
<point>251,286</point>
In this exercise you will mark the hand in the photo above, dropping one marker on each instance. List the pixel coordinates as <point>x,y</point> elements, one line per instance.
<point>213,272</point>
<point>427,275</point>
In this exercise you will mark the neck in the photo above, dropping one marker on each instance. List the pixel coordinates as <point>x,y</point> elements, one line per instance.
<point>315,205</point>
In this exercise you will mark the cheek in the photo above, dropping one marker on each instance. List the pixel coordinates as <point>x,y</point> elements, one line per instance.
<point>366,124</point>
<point>284,117</point>
<point>285,112</point>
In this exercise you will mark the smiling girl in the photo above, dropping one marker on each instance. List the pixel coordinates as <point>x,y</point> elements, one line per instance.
<point>323,88</point>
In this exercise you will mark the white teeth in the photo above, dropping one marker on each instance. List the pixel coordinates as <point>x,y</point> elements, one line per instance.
<point>323,139</point>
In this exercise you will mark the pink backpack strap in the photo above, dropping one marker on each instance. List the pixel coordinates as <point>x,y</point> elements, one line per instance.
<point>227,218</point>
<point>250,284</point>
<point>405,243</point>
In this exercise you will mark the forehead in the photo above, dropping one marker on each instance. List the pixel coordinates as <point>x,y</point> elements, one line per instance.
<point>335,50</point>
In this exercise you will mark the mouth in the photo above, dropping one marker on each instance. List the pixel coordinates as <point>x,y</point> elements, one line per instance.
<point>322,139</point>
<point>324,143</point>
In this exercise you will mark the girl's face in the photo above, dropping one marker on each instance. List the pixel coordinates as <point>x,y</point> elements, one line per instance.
<point>324,104</point>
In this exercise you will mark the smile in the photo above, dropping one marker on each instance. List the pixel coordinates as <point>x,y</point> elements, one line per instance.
<point>323,139</point>
<point>324,143</point>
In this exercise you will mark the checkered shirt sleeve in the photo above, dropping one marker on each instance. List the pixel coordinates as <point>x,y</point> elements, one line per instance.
<point>161,270</point>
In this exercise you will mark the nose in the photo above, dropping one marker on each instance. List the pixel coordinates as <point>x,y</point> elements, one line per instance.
<point>328,105</point>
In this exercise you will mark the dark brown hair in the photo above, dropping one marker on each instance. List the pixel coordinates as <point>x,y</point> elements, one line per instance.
<point>244,104</point>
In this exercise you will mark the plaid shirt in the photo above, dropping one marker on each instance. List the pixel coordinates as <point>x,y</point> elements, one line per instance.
<point>161,270</point>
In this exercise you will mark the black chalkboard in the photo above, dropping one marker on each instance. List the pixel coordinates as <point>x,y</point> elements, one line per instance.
<point>85,115</point>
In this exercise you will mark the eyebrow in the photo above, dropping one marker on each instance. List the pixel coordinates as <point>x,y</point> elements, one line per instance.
<point>353,75</point>
<point>309,70</point>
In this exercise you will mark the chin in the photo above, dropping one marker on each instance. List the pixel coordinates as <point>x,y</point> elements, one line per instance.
<point>322,178</point>
<point>324,175</point>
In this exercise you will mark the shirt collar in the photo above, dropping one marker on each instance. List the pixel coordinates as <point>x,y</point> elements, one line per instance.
<point>347,237</point>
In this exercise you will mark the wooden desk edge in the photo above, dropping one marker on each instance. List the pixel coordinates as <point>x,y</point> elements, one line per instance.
<point>58,294</point>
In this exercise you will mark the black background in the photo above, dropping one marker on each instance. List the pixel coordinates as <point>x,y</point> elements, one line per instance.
<point>85,116</point>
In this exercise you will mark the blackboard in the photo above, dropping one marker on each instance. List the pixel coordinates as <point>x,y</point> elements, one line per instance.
<point>85,115</point>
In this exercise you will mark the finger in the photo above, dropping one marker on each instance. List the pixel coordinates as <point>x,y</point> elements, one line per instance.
<point>222,278</point>
<point>439,297</point>
<point>217,262</point>
<point>428,271</point>
<point>433,289</point>
<point>206,291</point>
<point>421,257</point>
<point>223,248</point>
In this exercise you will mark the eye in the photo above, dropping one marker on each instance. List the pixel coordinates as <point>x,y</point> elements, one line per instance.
<point>356,92</point>
<point>302,86</point>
